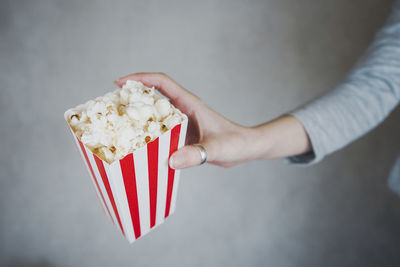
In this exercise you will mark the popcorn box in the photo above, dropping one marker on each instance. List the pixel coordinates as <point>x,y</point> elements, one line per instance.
<point>139,191</point>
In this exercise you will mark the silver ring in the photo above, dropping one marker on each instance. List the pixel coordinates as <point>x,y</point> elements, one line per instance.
<point>203,153</point>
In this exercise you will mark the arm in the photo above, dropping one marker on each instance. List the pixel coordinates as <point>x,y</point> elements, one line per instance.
<point>306,135</point>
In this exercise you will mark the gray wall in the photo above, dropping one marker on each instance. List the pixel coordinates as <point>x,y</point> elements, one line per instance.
<point>251,61</point>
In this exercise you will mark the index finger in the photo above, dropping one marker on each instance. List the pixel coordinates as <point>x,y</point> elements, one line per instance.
<point>162,82</point>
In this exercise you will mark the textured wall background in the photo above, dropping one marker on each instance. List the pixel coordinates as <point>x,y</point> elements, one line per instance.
<point>250,60</point>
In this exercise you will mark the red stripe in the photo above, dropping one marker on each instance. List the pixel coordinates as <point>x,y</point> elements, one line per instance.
<point>103,174</point>
<point>171,172</point>
<point>93,176</point>
<point>128,173</point>
<point>152,156</point>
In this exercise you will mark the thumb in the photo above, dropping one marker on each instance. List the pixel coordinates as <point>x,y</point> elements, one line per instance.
<point>187,156</point>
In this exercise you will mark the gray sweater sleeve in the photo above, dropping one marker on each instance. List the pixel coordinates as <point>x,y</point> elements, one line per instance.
<point>366,97</point>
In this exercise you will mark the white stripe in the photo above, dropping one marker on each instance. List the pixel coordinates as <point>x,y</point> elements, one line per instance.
<point>91,176</point>
<point>182,137</point>
<point>116,181</point>
<point>101,185</point>
<point>142,187</point>
<point>162,181</point>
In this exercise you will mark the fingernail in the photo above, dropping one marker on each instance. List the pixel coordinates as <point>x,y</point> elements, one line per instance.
<point>176,162</point>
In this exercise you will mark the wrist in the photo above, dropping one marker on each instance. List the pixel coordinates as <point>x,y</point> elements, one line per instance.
<point>251,143</point>
<point>234,146</point>
<point>282,137</point>
<point>260,142</point>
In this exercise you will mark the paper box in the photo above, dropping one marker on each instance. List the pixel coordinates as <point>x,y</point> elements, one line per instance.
<point>139,191</point>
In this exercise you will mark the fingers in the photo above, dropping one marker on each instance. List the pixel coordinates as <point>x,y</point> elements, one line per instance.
<point>187,156</point>
<point>161,81</point>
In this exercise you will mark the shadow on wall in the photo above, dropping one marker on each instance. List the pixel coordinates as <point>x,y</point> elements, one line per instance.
<point>394,177</point>
<point>341,39</point>
<point>41,263</point>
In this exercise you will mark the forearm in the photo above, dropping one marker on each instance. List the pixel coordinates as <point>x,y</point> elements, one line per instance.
<point>360,103</point>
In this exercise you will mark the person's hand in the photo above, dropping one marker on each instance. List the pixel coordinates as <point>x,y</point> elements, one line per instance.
<point>224,141</point>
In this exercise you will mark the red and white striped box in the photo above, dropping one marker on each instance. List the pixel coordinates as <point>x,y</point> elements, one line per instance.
<point>139,191</point>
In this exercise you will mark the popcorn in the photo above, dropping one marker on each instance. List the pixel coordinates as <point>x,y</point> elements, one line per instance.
<point>118,123</point>
<point>172,120</point>
<point>163,107</point>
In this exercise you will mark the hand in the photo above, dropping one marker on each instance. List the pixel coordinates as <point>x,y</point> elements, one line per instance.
<point>224,141</point>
